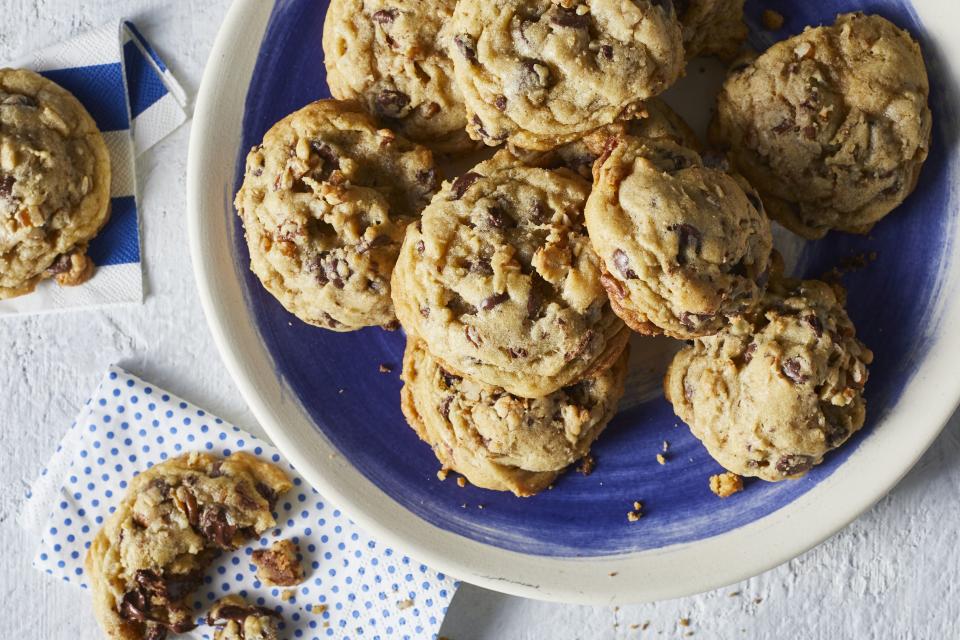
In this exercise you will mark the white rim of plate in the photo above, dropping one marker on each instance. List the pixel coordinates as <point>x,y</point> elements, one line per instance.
<point>869,473</point>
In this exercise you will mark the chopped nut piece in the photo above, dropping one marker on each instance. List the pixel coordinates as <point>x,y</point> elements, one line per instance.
<point>684,622</point>
<point>442,474</point>
<point>461,482</point>
<point>587,464</point>
<point>661,459</point>
<point>405,604</point>
<point>637,513</point>
<point>385,368</point>
<point>726,484</point>
<point>287,595</point>
<point>771,20</point>
<point>278,565</point>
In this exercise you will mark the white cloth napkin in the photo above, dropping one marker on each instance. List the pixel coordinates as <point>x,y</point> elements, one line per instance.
<point>136,102</point>
<point>355,587</point>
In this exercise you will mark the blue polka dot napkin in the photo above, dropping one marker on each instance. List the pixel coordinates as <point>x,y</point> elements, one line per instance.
<point>136,102</point>
<point>355,587</point>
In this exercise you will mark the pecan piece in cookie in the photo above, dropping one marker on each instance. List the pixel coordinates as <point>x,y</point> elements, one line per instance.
<point>235,619</point>
<point>278,565</point>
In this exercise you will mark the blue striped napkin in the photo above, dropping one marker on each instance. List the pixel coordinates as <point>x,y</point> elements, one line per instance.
<point>136,102</point>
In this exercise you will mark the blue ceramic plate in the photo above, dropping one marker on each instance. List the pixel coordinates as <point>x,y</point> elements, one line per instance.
<point>322,399</point>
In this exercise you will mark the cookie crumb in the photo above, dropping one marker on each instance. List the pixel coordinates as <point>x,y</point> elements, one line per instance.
<point>442,474</point>
<point>287,595</point>
<point>661,459</point>
<point>645,625</point>
<point>613,574</point>
<point>726,484</point>
<point>461,482</point>
<point>733,594</point>
<point>684,622</point>
<point>316,609</point>
<point>405,604</point>
<point>587,464</point>
<point>772,20</point>
<point>385,368</point>
<point>665,446</point>
<point>634,627</point>
<point>278,565</point>
<point>757,600</point>
<point>637,513</point>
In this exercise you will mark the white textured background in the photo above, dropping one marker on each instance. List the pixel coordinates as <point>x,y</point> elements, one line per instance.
<point>894,573</point>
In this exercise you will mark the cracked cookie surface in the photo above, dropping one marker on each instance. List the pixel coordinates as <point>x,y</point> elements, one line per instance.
<point>173,520</point>
<point>545,72</point>
<point>499,279</point>
<point>325,201</point>
<point>831,126</point>
<point>777,388</point>
<point>54,183</point>
<point>393,56</point>
<point>500,441</point>
<point>683,247</point>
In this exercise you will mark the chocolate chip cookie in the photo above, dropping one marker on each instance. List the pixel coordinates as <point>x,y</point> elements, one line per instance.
<point>500,281</point>
<point>175,517</point>
<point>683,247</point>
<point>54,183</point>
<point>235,619</point>
<point>325,201</point>
<point>832,126</point>
<point>777,388</point>
<point>657,120</point>
<point>543,72</point>
<point>393,57</point>
<point>498,440</point>
<point>712,27</point>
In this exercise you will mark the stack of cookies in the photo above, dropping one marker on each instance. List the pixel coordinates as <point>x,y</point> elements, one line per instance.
<point>518,281</point>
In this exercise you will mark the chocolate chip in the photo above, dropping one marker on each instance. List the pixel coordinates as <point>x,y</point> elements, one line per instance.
<point>448,378</point>
<point>582,345</point>
<point>215,525</point>
<point>794,464</point>
<point>498,218</point>
<point>268,494</point>
<point>517,352</point>
<point>460,307</point>
<point>155,632</point>
<point>500,103</point>
<point>492,301</point>
<point>810,132</point>
<point>62,264</point>
<point>420,247</point>
<point>539,290</point>
<point>427,178</point>
<point>607,51</point>
<point>473,336</point>
<point>784,126</point>
<point>445,407</point>
<point>815,324</point>
<point>793,369</point>
<point>6,186</point>
<point>331,162</point>
<point>466,46</point>
<point>622,262</point>
<point>150,582</point>
<point>425,312</point>
<point>570,19</point>
<point>464,182</point>
<point>539,212</point>
<point>385,16</point>
<point>689,238</point>
<point>390,103</point>
<point>134,605</point>
<point>748,353</point>
<point>481,266</point>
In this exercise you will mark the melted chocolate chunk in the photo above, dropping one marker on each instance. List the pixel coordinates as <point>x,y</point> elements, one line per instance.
<point>481,266</point>
<point>815,324</point>
<point>606,51</point>
<point>6,186</point>
<point>427,178</point>
<point>473,336</point>
<point>216,527</point>
<point>570,19</point>
<point>331,161</point>
<point>464,182</point>
<point>500,103</point>
<point>448,378</point>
